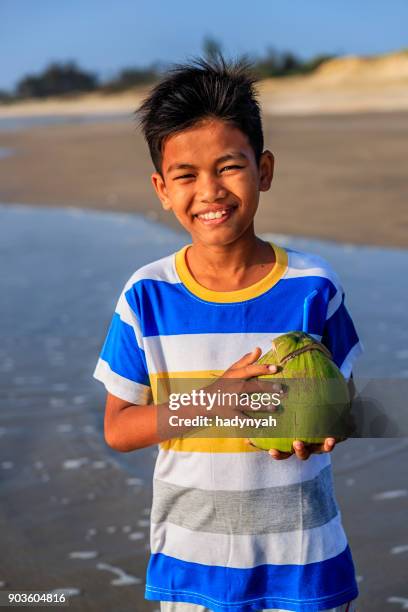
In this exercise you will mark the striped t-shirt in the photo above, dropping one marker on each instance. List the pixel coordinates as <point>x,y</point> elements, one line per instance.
<point>231,528</point>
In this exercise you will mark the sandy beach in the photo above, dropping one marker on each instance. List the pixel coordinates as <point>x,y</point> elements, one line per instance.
<point>337,177</point>
<point>338,135</point>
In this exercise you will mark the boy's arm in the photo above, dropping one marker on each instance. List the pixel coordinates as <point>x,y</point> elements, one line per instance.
<point>138,424</point>
<point>128,426</point>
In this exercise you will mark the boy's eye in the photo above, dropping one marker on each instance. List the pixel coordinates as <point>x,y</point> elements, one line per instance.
<point>233,167</point>
<point>183,176</point>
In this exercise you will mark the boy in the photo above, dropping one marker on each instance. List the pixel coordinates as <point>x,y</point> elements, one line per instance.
<point>231,529</point>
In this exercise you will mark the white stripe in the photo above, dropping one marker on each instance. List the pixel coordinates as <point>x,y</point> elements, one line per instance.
<point>235,471</point>
<point>128,316</point>
<point>306,264</point>
<point>347,365</point>
<point>246,551</point>
<point>163,269</point>
<point>334,304</point>
<point>195,352</point>
<point>121,387</point>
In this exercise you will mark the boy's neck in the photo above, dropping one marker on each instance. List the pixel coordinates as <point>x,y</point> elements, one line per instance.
<point>230,267</point>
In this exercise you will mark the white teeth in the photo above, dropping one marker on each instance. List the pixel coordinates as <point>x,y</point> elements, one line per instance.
<point>213,215</point>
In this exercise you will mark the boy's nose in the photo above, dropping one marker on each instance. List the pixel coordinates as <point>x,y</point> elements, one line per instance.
<point>211,191</point>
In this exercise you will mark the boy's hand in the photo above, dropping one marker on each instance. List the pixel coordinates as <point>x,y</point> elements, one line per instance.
<point>302,450</point>
<point>241,377</point>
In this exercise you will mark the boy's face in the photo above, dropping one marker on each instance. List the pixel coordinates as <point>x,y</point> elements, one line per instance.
<point>209,170</point>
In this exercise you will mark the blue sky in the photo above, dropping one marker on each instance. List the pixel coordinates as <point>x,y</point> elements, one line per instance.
<point>106,35</point>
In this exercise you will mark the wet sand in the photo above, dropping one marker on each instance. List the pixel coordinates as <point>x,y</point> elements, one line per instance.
<point>337,177</point>
<point>74,514</point>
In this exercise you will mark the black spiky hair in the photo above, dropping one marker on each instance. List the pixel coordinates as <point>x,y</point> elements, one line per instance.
<point>202,88</point>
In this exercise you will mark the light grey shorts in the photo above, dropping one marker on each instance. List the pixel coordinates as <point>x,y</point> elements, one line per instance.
<point>175,606</point>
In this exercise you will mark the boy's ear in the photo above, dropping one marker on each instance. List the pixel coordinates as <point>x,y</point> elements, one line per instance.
<point>161,190</point>
<point>266,166</point>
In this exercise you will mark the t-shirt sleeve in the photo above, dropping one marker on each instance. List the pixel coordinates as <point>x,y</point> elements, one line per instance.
<point>339,333</point>
<point>121,366</point>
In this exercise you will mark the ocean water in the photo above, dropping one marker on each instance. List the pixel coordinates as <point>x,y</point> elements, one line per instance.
<point>5,152</point>
<point>62,272</point>
<point>8,124</point>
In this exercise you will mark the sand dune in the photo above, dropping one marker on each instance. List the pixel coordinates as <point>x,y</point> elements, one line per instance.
<point>346,84</point>
<point>342,85</point>
<point>392,67</point>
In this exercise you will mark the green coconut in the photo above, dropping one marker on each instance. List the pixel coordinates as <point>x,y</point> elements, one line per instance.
<point>316,401</point>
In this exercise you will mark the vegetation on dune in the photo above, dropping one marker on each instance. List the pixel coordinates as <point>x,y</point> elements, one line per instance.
<point>56,79</point>
<point>272,63</point>
<point>131,77</point>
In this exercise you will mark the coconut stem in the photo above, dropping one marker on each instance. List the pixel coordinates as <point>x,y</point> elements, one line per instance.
<point>305,349</point>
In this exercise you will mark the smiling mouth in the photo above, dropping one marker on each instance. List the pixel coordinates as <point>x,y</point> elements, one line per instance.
<point>216,217</point>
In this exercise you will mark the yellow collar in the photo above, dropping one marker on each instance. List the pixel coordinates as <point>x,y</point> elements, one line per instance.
<point>240,295</point>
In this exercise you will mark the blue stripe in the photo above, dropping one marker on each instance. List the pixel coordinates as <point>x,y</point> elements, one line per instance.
<point>340,334</point>
<point>170,309</point>
<point>302,588</point>
<point>122,352</point>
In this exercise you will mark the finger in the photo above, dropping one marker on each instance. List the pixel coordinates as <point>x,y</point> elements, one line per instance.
<point>273,452</point>
<point>278,387</point>
<point>270,385</point>
<point>329,444</point>
<point>257,407</point>
<point>301,450</point>
<point>318,449</point>
<point>250,358</point>
<point>247,358</point>
<point>262,385</point>
<point>255,369</point>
